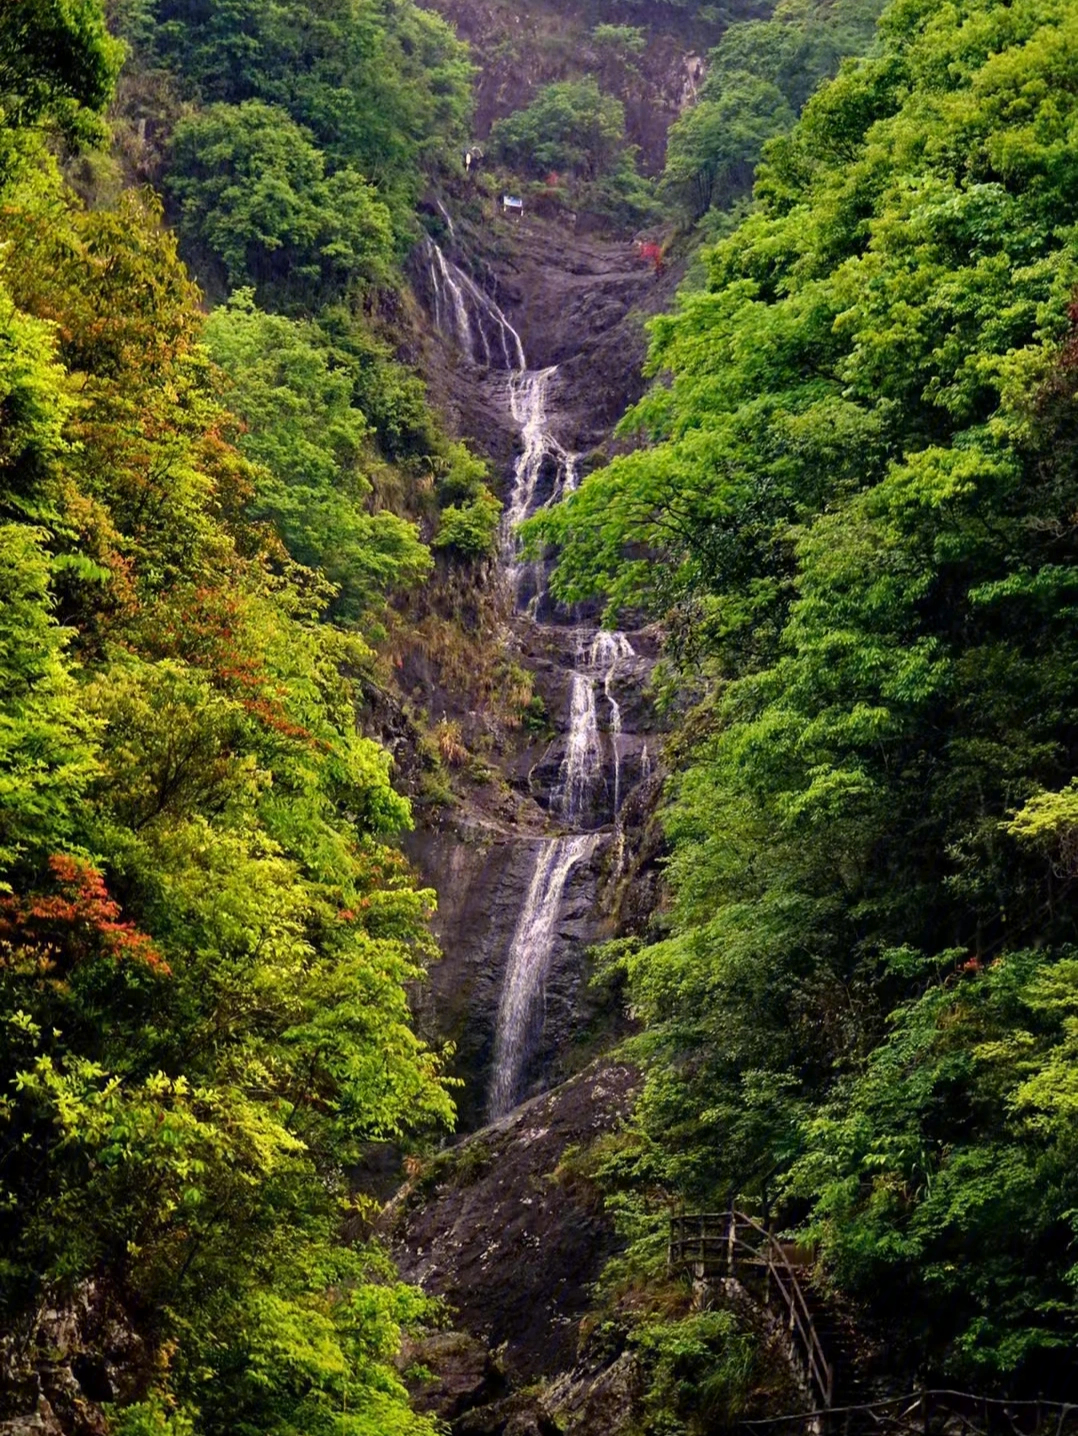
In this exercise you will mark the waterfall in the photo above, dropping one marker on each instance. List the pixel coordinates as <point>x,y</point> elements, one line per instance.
<point>455,293</point>
<point>544,471</point>
<point>449,299</point>
<point>568,478</point>
<point>528,964</point>
<point>607,651</point>
<point>582,765</point>
<point>508,338</point>
<point>529,394</point>
<point>448,219</point>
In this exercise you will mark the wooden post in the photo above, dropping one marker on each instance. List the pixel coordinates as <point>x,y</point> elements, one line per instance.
<point>731,1236</point>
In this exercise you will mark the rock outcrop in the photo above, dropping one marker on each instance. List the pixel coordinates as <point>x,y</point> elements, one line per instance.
<point>498,297</point>
<point>507,1229</point>
<point>61,1368</point>
<point>520,49</point>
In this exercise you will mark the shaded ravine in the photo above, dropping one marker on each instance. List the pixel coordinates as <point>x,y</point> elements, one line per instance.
<point>585,798</point>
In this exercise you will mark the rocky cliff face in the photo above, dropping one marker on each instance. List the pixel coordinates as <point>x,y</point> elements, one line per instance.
<point>59,1371</point>
<point>536,343</point>
<point>536,340</point>
<point>520,49</point>
<point>508,1231</point>
<point>534,348</point>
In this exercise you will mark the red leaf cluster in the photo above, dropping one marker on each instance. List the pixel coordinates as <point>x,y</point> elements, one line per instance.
<point>76,920</point>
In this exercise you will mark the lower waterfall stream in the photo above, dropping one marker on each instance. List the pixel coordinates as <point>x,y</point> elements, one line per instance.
<point>588,787</point>
<point>520,1006</point>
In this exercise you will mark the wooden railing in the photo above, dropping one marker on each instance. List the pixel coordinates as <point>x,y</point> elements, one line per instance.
<point>731,1244</point>
<point>715,1244</point>
<point>922,1413</point>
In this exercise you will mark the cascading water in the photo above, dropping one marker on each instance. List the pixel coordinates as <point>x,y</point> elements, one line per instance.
<point>476,318</point>
<point>449,299</point>
<point>582,766</point>
<point>544,472</point>
<point>450,226</point>
<point>607,651</point>
<point>529,391</point>
<point>520,1006</point>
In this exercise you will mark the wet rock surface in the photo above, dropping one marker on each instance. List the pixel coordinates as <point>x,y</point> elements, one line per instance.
<point>504,1229</point>
<point>482,875</point>
<point>571,309</point>
<point>578,301</point>
<point>459,1373</point>
<point>520,50</point>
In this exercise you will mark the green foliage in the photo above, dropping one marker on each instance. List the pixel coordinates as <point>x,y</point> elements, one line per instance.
<point>470,530</point>
<point>759,77</point>
<point>851,502</point>
<point>46,743</point>
<point>57,63</point>
<point>713,148</point>
<point>206,933</point>
<point>385,92</point>
<point>254,196</point>
<point>302,427</point>
<point>957,1137</point>
<point>570,126</point>
<point>622,195</point>
<point>699,1372</point>
<point>623,42</point>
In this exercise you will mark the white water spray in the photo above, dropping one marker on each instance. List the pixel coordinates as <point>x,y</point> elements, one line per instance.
<point>529,399</point>
<point>475,317</point>
<point>450,309</point>
<point>582,766</point>
<point>448,219</point>
<point>607,651</point>
<point>486,338</point>
<point>528,965</point>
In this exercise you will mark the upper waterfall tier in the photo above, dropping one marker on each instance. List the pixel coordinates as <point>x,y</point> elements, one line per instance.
<point>590,671</point>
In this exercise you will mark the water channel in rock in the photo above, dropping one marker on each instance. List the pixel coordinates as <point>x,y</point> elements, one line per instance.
<point>586,796</point>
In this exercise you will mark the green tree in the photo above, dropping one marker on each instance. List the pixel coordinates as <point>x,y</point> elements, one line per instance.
<point>385,93</point>
<point>759,77</point>
<point>714,147</point>
<point>570,125</point>
<point>254,196</point>
<point>206,932</point>
<point>312,443</point>
<point>850,504</point>
<point>57,61</point>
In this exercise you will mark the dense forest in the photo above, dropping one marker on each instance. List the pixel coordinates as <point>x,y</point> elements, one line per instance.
<point>205,925</point>
<point>229,500</point>
<point>851,500</point>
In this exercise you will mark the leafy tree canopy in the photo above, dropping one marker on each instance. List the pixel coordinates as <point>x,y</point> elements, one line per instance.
<point>570,125</point>
<point>383,91</point>
<point>254,196</point>
<point>206,931</point>
<point>852,501</point>
<point>301,426</point>
<point>759,77</point>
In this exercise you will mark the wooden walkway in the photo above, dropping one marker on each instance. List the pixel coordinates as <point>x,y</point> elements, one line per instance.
<point>928,1413</point>
<point>717,1244</point>
<point>712,1245</point>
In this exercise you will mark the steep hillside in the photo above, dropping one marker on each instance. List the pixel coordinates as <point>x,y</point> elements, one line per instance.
<point>519,49</point>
